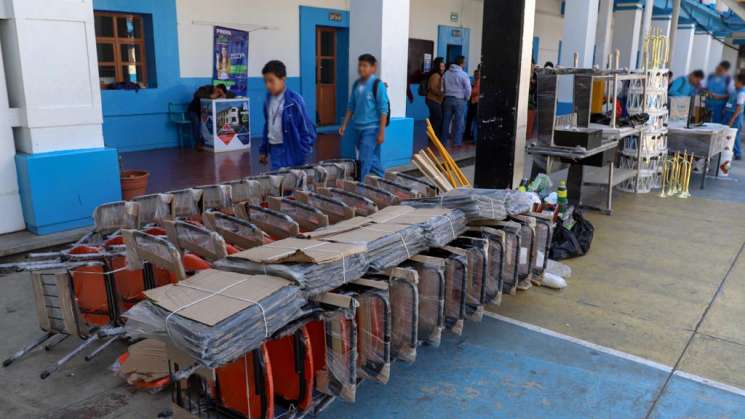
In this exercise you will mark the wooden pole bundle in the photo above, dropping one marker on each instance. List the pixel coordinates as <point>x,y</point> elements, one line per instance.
<point>440,168</point>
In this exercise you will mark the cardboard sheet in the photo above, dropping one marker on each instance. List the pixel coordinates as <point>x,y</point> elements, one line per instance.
<point>300,251</point>
<point>147,361</point>
<point>212,296</point>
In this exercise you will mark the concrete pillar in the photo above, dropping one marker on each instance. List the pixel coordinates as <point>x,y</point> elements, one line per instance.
<point>681,58</point>
<point>700,52</point>
<point>646,26</point>
<point>580,24</point>
<point>627,22</point>
<point>716,52</point>
<point>604,33</point>
<point>64,171</point>
<point>10,199</point>
<point>390,47</point>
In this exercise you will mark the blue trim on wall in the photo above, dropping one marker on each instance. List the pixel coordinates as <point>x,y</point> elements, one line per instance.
<point>558,59</point>
<point>418,108</point>
<point>564,108</point>
<point>310,18</point>
<point>397,148</point>
<point>536,48</point>
<point>445,37</point>
<point>59,190</point>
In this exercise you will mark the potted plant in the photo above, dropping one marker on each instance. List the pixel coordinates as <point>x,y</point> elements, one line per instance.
<point>134,182</point>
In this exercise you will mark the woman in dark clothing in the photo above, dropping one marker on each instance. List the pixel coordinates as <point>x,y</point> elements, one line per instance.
<point>435,94</point>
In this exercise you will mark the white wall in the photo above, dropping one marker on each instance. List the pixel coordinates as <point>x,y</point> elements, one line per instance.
<point>700,52</point>
<point>730,54</point>
<point>427,15</point>
<point>280,42</point>
<point>549,27</point>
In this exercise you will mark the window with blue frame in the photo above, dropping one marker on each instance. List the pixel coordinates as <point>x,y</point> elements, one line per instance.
<point>122,47</point>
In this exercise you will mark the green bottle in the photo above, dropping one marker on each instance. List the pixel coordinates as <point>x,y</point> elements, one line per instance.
<point>562,201</point>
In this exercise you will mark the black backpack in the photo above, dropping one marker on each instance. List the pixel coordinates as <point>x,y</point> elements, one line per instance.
<point>376,83</point>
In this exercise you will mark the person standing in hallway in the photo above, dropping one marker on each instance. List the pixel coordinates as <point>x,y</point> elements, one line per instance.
<point>435,95</point>
<point>686,85</point>
<point>289,133</point>
<point>733,112</point>
<point>473,105</point>
<point>719,85</point>
<point>457,87</point>
<point>368,111</point>
<point>194,110</point>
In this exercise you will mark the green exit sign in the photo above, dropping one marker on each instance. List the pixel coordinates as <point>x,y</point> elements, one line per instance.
<point>454,17</point>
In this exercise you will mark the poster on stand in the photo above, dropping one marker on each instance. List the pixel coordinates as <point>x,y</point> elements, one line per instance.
<point>226,124</point>
<point>230,65</point>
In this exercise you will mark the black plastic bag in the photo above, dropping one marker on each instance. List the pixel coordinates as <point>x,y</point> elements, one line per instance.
<point>572,243</point>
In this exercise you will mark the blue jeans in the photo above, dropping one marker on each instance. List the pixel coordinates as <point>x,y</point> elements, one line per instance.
<point>454,107</point>
<point>368,151</point>
<point>278,156</point>
<point>717,112</point>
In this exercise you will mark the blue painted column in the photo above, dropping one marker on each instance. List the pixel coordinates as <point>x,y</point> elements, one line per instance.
<point>64,171</point>
<point>366,35</point>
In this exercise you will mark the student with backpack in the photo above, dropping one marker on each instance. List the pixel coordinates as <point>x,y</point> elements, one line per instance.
<point>368,111</point>
<point>719,85</point>
<point>431,87</point>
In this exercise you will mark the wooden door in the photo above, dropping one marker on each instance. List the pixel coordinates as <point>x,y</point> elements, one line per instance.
<point>326,76</point>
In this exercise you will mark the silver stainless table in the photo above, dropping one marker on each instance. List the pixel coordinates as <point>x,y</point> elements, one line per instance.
<point>704,141</point>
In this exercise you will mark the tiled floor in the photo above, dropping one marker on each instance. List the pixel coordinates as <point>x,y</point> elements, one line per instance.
<point>173,168</point>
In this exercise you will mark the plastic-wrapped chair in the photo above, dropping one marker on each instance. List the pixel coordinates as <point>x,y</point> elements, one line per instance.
<point>475,289</point>
<point>60,316</point>
<point>185,204</point>
<point>544,232</point>
<point>246,191</point>
<point>404,297</point>
<point>243,388</point>
<point>362,205</point>
<point>456,286</point>
<point>291,356</point>
<point>203,246</point>
<point>380,197</point>
<point>431,271</point>
<point>495,264</point>
<point>528,251</point>
<point>292,180</point>
<point>316,176</point>
<point>401,191</point>
<point>271,185</point>
<point>277,225</point>
<point>373,328</point>
<point>236,231</point>
<point>512,246</point>
<point>307,217</point>
<point>335,209</point>
<point>420,185</point>
<point>154,208</point>
<point>216,197</point>
<point>346,169</point>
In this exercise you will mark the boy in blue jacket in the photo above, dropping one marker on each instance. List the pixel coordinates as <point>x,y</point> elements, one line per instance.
<point>289,134</point>
<point>368,112</point>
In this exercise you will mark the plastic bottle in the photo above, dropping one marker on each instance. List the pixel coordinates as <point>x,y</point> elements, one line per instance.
<point>523,185</point>
<point>562,201</point>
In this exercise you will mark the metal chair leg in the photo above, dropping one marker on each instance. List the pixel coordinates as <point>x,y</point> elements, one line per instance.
<point>54,367</point>
<point>100,348</point>
<point>50,345</point>
<point>26,349</point>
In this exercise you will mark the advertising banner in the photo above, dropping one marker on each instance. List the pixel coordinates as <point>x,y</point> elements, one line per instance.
<point>230,65</point>
<point>226,124</point>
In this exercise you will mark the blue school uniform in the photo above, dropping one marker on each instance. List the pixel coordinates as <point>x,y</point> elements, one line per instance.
<point>298,133</point>
<point>681,87</point>
<point>366,108</point>
<point>718,85</point>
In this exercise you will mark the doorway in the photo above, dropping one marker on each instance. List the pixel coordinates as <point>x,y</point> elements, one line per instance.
<point>453,52</point>
<point>452,42</point>
<point>326,75</point>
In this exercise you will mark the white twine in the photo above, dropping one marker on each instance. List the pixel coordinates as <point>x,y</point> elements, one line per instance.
<point>218,292</point>
<point>123,268</point>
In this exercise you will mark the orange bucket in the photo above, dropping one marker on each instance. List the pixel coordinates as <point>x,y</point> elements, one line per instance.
<point>134,183</point>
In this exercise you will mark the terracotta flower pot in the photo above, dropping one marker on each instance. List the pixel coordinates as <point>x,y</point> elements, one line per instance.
<point>134,183</point>
<point>531,122</point>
